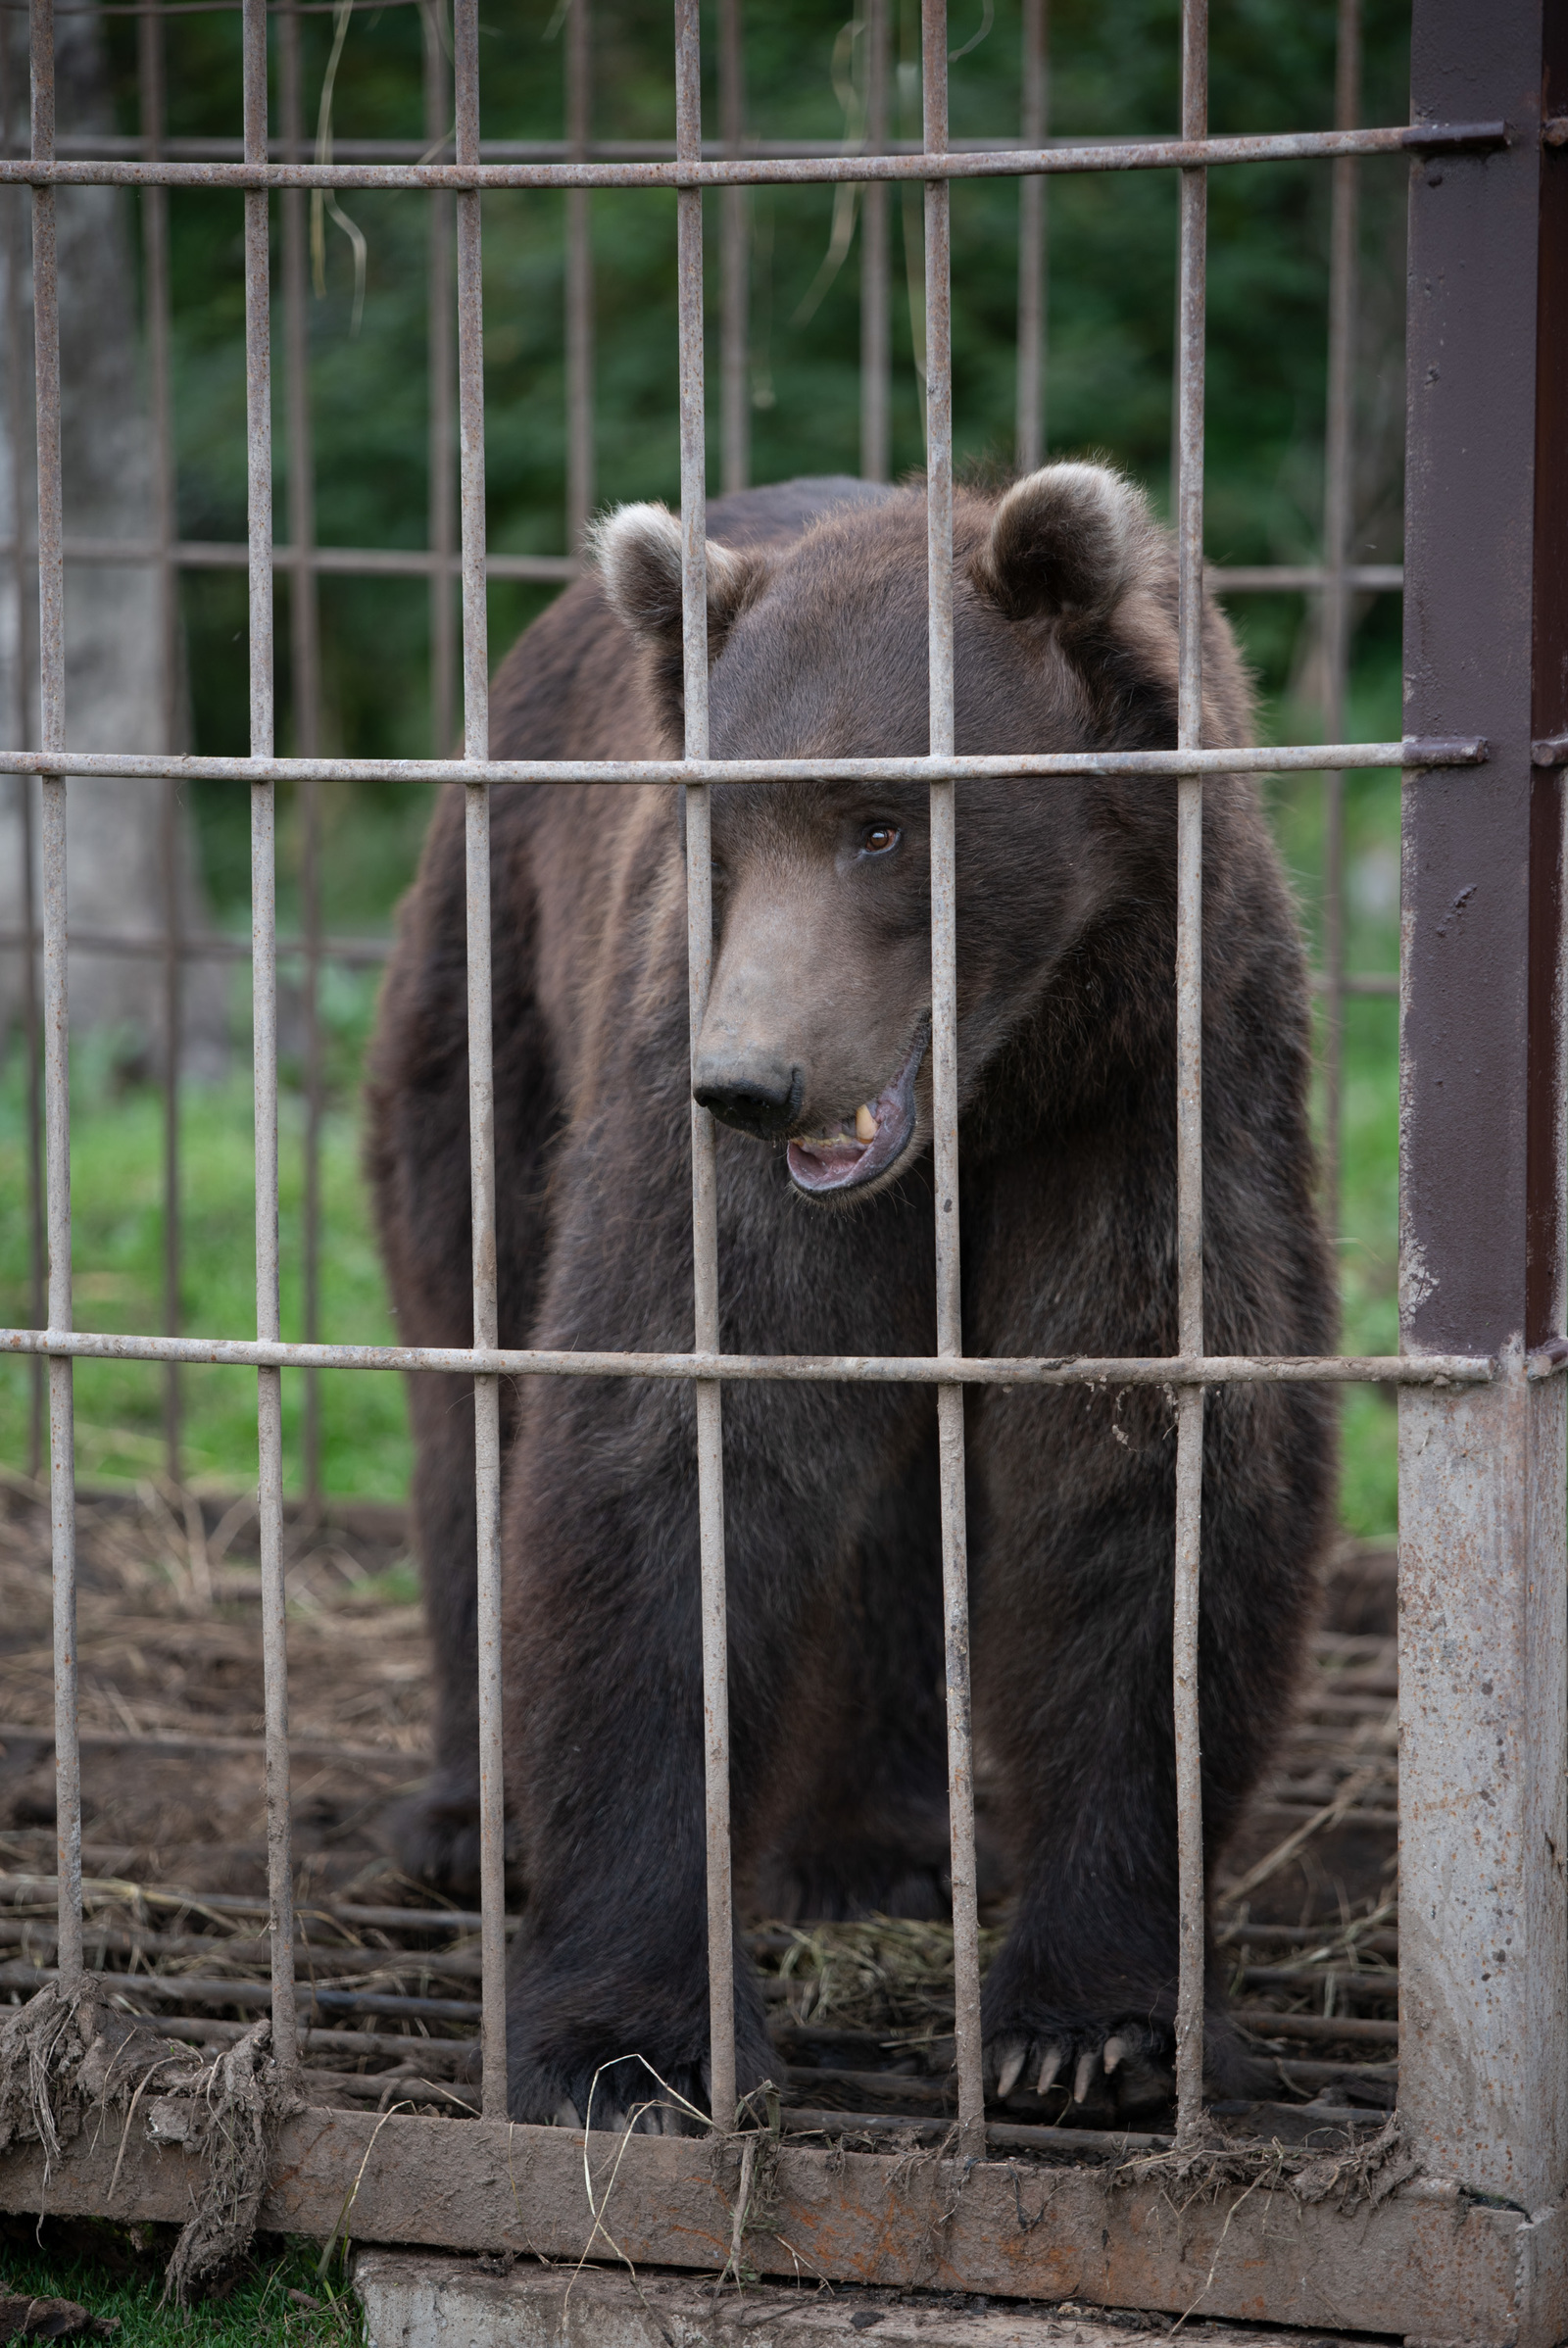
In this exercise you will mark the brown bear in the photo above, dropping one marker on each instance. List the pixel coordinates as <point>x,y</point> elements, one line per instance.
<point>814,1057</point>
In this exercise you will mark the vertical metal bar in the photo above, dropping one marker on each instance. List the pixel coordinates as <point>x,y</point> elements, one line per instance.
<point>264,997</point>
<point>21,587</point>
<point>1338,527</point>
<point>945,1080</point>
<point>443,523</point>
<point>704,1192</point>
<point>305,662</point>
<point>1029,437</point>
<point>876,297</point>
<point>155,260</point>
<point>734,322</point>
<point>1483,1582</point>
<point>1189,1075</point>
<point>580,282</point>
<point>57,1064</point>
<point>481,1090</point>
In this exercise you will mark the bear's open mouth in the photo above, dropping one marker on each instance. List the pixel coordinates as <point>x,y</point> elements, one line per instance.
<point>867,1143</point>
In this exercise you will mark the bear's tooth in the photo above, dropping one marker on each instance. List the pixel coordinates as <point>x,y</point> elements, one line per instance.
<point>864,1123</point>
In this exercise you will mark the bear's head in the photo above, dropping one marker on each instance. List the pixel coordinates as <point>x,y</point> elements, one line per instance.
<point>818,1019</point>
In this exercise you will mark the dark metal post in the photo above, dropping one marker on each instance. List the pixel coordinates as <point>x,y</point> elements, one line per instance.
<point>1484,1815</point>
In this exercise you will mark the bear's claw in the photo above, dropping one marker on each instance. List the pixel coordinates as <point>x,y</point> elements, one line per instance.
<point>1127,2067</point>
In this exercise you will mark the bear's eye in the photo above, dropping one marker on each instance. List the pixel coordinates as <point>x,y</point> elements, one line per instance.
<point>878,839</point>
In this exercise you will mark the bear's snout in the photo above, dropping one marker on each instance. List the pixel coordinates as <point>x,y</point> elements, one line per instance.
<point>755,1092</point>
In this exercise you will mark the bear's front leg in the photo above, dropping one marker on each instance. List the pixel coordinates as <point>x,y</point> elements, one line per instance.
<point>1075,1699</point>
<point>607,2004</point>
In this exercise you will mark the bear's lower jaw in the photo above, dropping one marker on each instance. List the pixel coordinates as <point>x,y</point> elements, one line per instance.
<point>823,1167</point>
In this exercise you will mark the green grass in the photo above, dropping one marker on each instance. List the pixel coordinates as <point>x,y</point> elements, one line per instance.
<point>117,2272</point>
<point>117,1235</point>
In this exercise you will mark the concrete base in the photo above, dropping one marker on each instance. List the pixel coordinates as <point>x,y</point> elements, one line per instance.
<point>414,2300</point>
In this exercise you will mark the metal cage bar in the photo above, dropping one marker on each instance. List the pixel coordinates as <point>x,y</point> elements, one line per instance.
<point>264,999</point>
<point>56,1000</point>
<point>481,1082</point>
<point>1190,382</point>
<point>944,1081</point>
<point>305,664</point>
<point>1029,431</point>
<point>723,2084</point>
<point>24,590</point>
<point>1338,534</point>
<point>150,76</point>
<point>580,282</point>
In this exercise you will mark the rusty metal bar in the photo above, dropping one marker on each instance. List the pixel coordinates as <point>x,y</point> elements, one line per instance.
<point>734,299</point>
<point>155,264</point>
<point>580,282</point>
<point>944,1081</point>
<point>305,674</point>
<point>1482,1586</point>
<point>876,256</point>
<point>443,560</point>
<point>804,170</point>
<point>1029,433</point>
<point>1189,1076</point>
<point>1412,755</point>
<point>917,1369</point>
<point>264,997</point>
<point>705,1187</point>
<point>482,1078</point>
<point>56,1007</point>
<point>1338,537</point>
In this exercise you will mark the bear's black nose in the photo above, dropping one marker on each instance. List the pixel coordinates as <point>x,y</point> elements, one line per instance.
<point>760,1099</point>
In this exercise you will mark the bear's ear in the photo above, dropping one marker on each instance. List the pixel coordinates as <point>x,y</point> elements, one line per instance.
<point>1063,544</point>
<point>637,549</point>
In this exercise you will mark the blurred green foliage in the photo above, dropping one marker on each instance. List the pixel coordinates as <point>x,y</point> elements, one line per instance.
<point>1112,247</point>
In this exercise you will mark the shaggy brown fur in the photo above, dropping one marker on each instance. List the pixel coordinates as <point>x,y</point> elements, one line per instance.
<point>1065,638</point>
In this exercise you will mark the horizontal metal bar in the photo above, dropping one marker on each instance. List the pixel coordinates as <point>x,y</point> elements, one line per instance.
<point>353,562</point>
<point>807,170</point>
<point>1313,757</point>
<point>835,1369</point>
<point>200,554</point>
<point>1553,752</point>
<point>208,148</point>
<point>211,947</point>
<point>1255,578</point>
